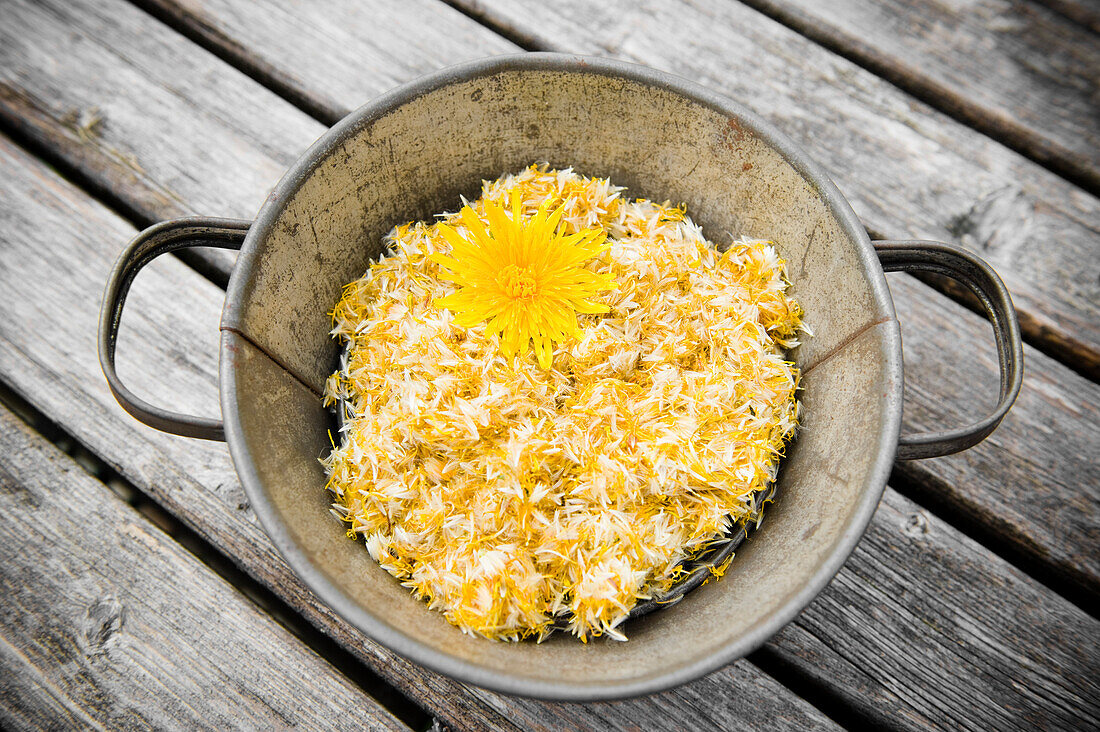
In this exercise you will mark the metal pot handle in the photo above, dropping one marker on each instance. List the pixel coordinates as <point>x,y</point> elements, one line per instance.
<point>979,277</point>
<point>167,236</point>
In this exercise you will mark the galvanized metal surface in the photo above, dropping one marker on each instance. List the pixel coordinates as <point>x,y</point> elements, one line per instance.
<point>983,282</point>
<point>162,238</point>
<point>411,153</point>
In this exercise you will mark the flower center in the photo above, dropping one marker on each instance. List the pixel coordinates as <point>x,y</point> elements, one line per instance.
<point>516,281</point>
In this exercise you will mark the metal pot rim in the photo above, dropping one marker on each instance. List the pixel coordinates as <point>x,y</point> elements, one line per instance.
<point>427,655</point>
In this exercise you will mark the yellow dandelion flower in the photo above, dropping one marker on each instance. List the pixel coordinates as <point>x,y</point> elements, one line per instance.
<point>523,276</point>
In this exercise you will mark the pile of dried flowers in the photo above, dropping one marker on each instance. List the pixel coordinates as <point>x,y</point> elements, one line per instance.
<point>555,396</point>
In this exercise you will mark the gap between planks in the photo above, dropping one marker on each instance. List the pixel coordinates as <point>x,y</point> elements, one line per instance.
<point>215,265</point>
<point>210,37</point>
<point>1085,13</point>
<point>525,41</point>
<point>267,602</point>
<point>110,642</point>
<point>874,55</point>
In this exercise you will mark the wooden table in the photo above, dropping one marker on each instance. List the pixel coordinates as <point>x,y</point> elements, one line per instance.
<point>137,587</point>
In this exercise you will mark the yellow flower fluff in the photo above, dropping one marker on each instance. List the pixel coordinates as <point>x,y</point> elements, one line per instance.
<point>511,494</point>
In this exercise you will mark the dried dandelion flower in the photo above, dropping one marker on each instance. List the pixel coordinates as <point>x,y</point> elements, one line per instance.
<point>522,275</point>
<point>515,494</point>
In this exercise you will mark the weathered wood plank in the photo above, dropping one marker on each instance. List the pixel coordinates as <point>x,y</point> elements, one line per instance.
<point>1030,659</point>
<point>980,482</point>
<point>1036,478</point>
<point>1015,70</point>
<point>909,172</point>
<point>39,704</point>
<point>98,105</point>
<point>195,481</point>
<point>107,622</point>
<point>58,255</point>
<point>369,46</point>
<point>1083,12</point>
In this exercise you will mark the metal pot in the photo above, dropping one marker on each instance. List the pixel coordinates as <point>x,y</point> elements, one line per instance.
<point>411,153</point>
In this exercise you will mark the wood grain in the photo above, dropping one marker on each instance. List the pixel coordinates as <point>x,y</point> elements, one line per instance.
<point>113,112</point>
<point>369,46</point>
<point>990,486</point>
<point>1035,481</point>
<point>909,171</point>
<point>988,636</point>
<point>61,246</point>
<point>1013,69</point>
<point>195,481</point>
<point>107,622</point>
<point>1085,13</point>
